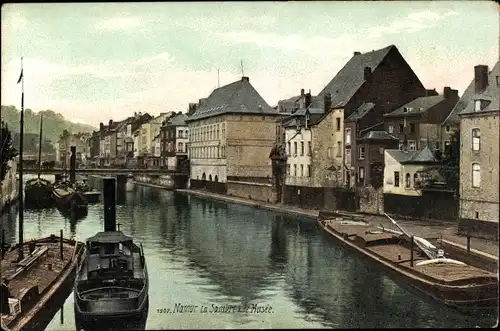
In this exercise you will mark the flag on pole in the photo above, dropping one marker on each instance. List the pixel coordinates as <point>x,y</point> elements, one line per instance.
<point>20,77</point>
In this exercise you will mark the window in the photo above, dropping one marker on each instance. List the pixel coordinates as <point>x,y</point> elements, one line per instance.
<point>289,151</point>
<point>309,170</point>
<point>309,148</point>
<point>412,145</point>
<point>412,127</point>
<point>301,148</point>
<point>348,152</point>
<point>295,170</point>
<point>381,150</point>
<point>401,128</point>
<point>476,175</point>
<point>400,145</point>
<point>330,152</point>
<point>437,145</point>
<point>301,170</point>
<point>339,149</point>
<point>347,136</point>
<point>408,180</point>
<point>181,147</point>
<point>390,128</point>
<point>447,128</point>
<point>361,152</point>
<point>337,120</point>
<point>295,148</point>
<point>361,174</point>
<point>477,213</point>
<point>415,180</point>
<point>477,105</point>
<point>476,139</point>
<point>396,178</point>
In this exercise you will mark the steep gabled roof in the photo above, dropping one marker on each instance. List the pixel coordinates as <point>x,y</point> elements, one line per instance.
<point>378,135</point>
<point>361,111</point>
<point>417,106</point>
<point>350,78</point>
<point>425,155</point>
<point>466,102</point>
<point>239,97</point>
<point>177,120</point>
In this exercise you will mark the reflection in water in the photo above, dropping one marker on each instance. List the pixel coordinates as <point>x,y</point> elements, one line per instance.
<point>204,252</point>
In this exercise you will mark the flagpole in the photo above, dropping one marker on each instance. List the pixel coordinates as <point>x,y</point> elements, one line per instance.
<point>20,189</point>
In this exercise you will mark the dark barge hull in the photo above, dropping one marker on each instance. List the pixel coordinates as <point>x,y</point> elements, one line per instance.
<point>38,195</point>
<point>42,313</point>
<point>68,208</point>
<point>440,292</point>
<point>134,319</point>
<point>92,197</point>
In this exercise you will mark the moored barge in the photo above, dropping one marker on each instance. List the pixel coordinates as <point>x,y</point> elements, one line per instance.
<point>69,201</point>
<point>34,288</point>
<point>418,263</point>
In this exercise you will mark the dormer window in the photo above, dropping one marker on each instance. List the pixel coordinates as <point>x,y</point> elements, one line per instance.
<point>477,105</point>
<point>405,110</point>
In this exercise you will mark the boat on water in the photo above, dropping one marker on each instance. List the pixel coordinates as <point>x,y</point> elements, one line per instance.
<point>112,281</point>
<point>91,194</point>
<point>37,275</point>
<point>69,201</point>
<point>417,262</point>
<point>38,191</point>
<point>34,288</point>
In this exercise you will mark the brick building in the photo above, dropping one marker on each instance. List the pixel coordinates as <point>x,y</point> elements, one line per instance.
<point>174,140</point>
<point>418,122</point>
<point>367,87</point>
<point>479,154</point>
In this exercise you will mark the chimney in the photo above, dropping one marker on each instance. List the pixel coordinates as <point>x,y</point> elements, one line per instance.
<point>308,100</point>
<point>480,78</point>
<point>244,78</point>
<point>302,92</point>
<point>72,164</point>
<point>327,102</point>
<point>108,193</point>
<point>367,73</point>
<point>448,93</point>
<point>357,53</point>
<point>101,127</point>
<point>110,123</point>
<point>429,93</point>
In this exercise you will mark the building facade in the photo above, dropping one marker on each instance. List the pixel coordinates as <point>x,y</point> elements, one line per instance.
<point>479,155</point>
<point>231,135</point>
<point>174,141</point>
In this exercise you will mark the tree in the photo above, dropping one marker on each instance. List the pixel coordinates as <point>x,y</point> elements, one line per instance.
<point>7,151</point>
<point>450,169</point>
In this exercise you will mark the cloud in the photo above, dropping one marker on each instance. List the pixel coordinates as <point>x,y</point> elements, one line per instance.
<point>312,45</point>
<point>118,23</point>
<point>412,23</point>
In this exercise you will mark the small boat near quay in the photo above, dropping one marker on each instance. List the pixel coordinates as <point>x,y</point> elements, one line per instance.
<point>112,281</point>
<point>417,262</point>
<point>38,191</point>
<point>69,201</point>
<point>91,194</point>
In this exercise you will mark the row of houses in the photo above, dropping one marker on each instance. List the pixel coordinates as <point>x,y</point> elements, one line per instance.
<point>373,139</point>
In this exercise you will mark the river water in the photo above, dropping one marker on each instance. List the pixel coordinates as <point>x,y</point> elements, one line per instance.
<point>207,253</point>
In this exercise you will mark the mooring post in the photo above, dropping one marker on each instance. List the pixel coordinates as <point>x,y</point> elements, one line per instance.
<point>468,243</point>
<point>61,244</point>
<point>411,252</point>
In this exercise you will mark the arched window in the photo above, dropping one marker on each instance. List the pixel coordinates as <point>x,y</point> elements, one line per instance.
<point>415,180</point>
<point>476,139</point>
<point>408,180</point>
<point>476,175</point>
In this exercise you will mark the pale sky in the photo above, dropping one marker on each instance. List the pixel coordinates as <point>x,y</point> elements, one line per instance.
<point>93,62</point>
